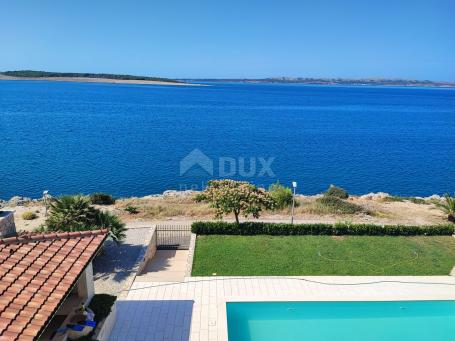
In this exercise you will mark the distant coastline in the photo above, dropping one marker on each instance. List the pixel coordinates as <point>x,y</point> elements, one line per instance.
<point>90,78</point>
<point>131,79</point>
<point>333,81</point>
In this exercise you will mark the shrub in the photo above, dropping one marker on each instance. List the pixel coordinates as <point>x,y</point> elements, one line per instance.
<point>40,229</point>
<point>102,199</point>
<point>101,304</point>
<point>28,215</point>
<point>131,209</point>
<point>336,205</point>
<point>336,192</point>
<point>284,229</point>
<point>281,195</point>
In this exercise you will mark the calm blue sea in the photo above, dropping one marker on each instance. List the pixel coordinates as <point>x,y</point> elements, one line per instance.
<point>137,139</point>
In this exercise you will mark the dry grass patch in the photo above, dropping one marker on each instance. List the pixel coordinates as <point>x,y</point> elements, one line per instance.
<point>159,208</point>
<point>331,205</point>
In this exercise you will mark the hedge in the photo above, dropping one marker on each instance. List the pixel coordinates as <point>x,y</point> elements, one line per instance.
<point>283,229</point>
<point>101,304</point>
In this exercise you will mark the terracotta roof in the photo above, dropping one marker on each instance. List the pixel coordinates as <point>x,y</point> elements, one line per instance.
<point>36,273</point>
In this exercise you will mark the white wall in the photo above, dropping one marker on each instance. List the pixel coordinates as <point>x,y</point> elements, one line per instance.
<point>85,285</point>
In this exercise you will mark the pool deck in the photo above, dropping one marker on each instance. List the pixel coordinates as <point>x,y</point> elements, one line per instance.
<point>195,309</point>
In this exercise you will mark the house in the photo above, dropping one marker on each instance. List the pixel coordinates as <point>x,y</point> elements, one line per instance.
<point>44,279</point>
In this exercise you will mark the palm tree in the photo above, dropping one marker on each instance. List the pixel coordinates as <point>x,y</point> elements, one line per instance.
<point>107,220</point>
<point>75,213</point>
<point>71,213</point>
<point>449,207</point>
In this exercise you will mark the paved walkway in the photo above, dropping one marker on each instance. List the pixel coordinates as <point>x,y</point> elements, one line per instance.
<point>196,309</point>
<point>165,266</point>
<point>114,266</point>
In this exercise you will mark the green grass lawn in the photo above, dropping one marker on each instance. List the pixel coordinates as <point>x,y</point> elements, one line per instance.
<point>323,255</point>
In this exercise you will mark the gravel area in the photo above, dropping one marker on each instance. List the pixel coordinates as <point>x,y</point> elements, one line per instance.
<point>116,263</point>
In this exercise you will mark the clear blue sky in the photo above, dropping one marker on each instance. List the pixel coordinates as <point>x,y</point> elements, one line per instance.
<point>232,38</point>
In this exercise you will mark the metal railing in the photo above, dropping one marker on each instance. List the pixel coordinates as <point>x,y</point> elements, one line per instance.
<point>172,236</point>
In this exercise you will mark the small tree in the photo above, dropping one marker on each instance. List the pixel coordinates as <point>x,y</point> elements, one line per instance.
<point>238,197</point>
<point>449,207</point>
<point>336,192</point>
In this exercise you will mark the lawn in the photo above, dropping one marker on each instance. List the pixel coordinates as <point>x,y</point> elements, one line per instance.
<point>323,255</point>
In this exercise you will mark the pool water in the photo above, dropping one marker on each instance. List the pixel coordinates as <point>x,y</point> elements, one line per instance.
<point>350,321</point>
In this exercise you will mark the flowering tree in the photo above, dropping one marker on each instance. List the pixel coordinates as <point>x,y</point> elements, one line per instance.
<point>238,197</point>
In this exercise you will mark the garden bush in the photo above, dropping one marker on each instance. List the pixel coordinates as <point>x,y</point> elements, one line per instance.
<point>131,209</point>
<point>28,215</point>
<point>101,304</point>
<point>336,192</point>
<point>102,199</point>
<point>281,195</point>
<point>284,229</point>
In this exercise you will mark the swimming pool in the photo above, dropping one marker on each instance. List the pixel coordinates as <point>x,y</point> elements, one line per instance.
<point>341,321</point>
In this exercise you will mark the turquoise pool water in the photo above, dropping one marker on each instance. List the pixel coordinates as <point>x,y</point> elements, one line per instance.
<point>350,321</point>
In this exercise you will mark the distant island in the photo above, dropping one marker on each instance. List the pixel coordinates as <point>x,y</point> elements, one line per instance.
<point>87,77</point>
<point>130,79</point>
<point>334,81</point>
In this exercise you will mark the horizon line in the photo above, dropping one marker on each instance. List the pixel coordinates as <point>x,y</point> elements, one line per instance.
<point>275,78</point>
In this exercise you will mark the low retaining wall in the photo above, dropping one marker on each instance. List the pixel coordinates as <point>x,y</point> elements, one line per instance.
<point>149,252</point>
<point>7,225</point>
<point>146,254</point>
<point>189,262</point>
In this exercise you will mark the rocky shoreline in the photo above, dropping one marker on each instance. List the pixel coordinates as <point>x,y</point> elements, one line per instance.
<point>24,201</point>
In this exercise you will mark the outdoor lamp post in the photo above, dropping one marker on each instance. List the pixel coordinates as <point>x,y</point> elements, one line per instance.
<point>45,197</point>
<point>294,186</point>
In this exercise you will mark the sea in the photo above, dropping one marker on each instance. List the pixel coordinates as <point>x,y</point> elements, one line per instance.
<point>137,140</point>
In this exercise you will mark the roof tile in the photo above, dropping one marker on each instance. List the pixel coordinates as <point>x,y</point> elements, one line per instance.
<point>36,272</point>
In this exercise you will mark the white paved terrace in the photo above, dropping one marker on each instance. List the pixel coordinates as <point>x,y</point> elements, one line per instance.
<point>165,266</point>
<point>196,308</point>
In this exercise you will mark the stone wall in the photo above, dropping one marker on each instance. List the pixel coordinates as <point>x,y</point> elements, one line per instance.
<point>7,226</point>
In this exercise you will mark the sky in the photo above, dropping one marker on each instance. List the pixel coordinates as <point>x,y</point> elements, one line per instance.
<point>232,38</point>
